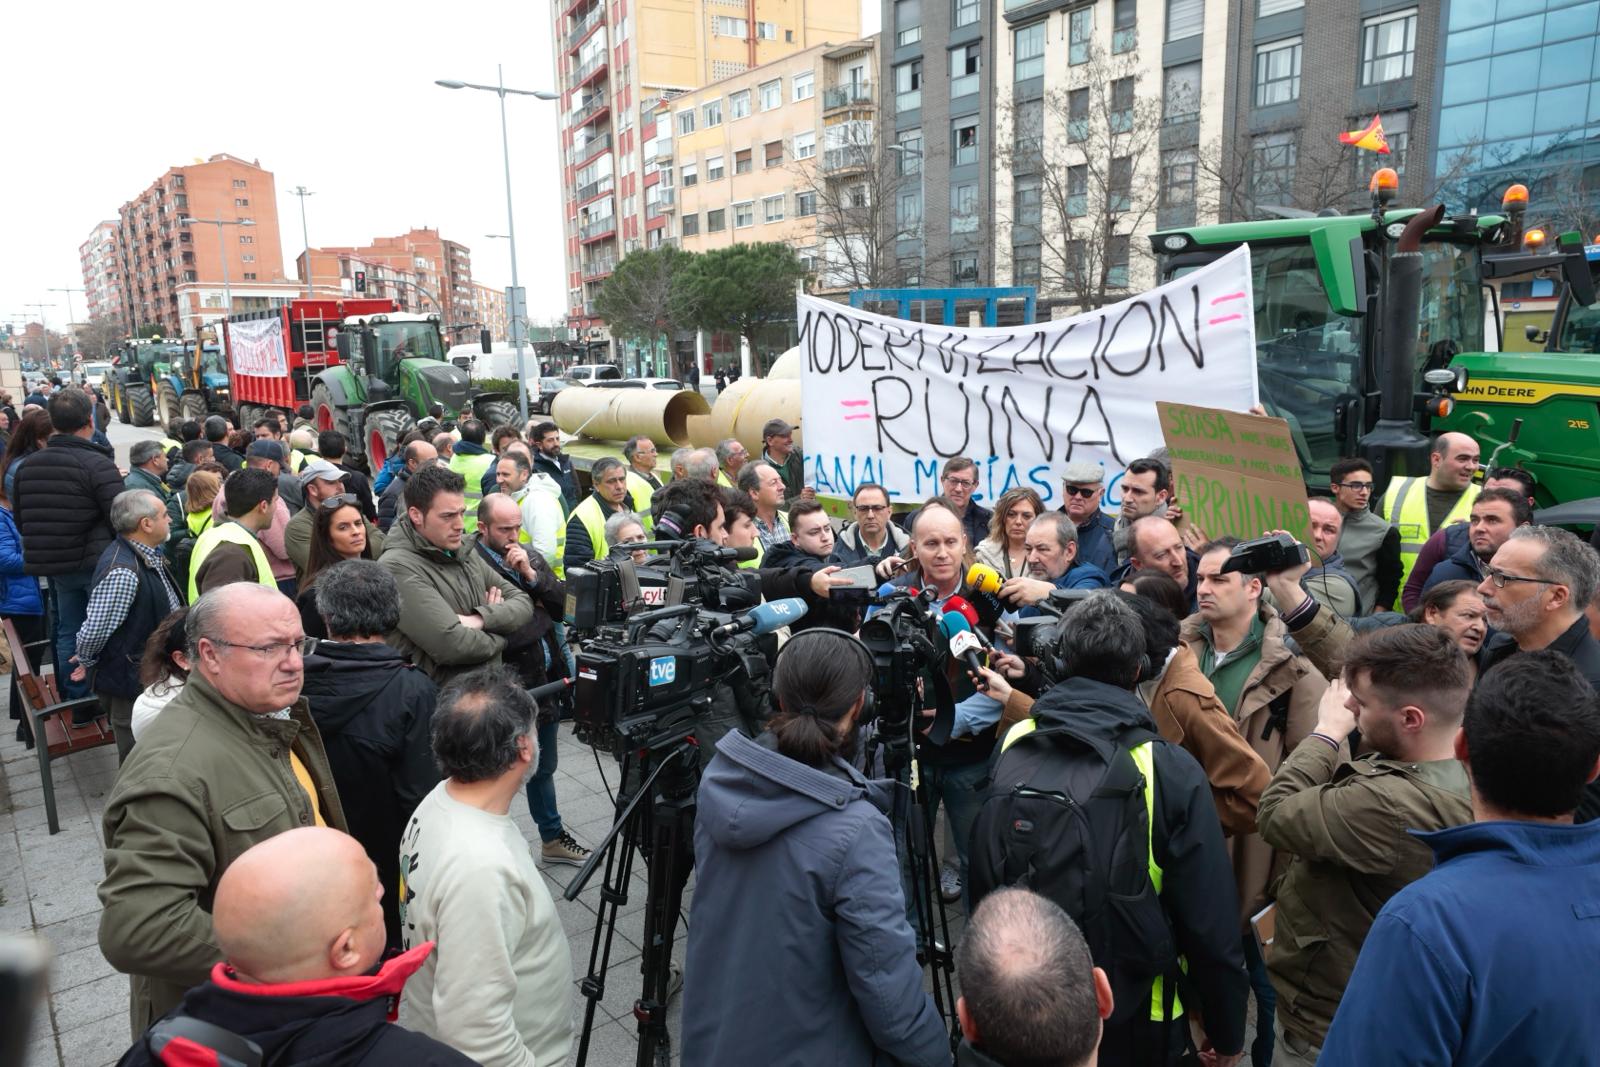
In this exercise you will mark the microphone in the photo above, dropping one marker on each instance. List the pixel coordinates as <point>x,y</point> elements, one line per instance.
<point>550,689</point>
<point>961,606</point>
<point>951,623</point>
<point>723,554</point>
<point>964,646</point>
<point>983,578</point>
<point>764,618</point>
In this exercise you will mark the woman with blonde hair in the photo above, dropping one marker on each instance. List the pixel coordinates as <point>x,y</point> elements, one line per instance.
<point>1013,513</point>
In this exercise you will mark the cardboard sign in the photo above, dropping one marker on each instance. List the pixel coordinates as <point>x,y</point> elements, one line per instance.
<point>1234,474</point>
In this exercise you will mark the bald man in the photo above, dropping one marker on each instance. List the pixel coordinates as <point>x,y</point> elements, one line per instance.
<point>300,924</point>
<point>1418,507</point>
<point>234,759</point>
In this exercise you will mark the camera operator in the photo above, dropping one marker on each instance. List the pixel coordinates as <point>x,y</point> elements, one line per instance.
<point>798,946</point>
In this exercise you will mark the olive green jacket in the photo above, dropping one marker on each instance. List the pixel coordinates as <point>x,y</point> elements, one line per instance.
<point>297,539</point>
<point>206,781</point>
<point>1346,823</point>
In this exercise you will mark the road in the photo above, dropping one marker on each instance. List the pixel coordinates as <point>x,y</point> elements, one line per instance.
<point>123,436</point>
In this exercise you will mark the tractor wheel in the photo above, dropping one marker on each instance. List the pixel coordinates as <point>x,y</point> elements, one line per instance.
<point>193,406</point>
<point>496,413</point>
<point>382,434</point>
<point>322,409</point>
<point>122,406</point>
<point>171,412</point>
<point>141,405</point>
<point>248,413</point>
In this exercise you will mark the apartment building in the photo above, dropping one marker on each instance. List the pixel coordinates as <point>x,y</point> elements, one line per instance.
<point>174,273</point>
<point>99,261</point>
<point>492,311</point>
<point>616,60</point>
<point>418,269</point>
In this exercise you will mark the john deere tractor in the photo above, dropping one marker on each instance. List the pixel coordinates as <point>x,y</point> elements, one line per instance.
<point>140,367</point>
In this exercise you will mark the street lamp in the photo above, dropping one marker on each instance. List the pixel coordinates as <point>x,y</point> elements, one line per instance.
<point>500,90</point>
<point>222,250</point>
<point>302,192</point>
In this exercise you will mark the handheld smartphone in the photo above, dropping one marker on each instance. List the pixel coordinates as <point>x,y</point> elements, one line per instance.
<point>863,577</point>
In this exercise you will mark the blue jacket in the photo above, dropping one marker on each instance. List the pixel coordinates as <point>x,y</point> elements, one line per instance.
<point>392,465</point>
<point>1080,575</point>
<point>799,950</point>
<point>20,591</point>
<point>1488,959</point>
<point>1462,564</point>
<point>1094,541</point>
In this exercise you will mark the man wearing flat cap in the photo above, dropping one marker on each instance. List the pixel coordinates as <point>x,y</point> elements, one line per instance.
<point>1082,485</point>
<point>777,438</point>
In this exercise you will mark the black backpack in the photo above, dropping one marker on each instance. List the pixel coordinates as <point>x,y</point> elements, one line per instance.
<point>1064,816</point>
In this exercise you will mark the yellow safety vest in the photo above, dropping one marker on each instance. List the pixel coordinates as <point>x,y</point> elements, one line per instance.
<point>232,533</point>
<point>297,459</point>
<point>168,444</point>
<point>722,479</point>
<point>643,492</point>
<point>198,522</point>
<point>754,564</point>
<point>556,565</point>
<point>1405,505</point>
<point>1143,758</point>
<point>594,523</point>
<point>472,468</point>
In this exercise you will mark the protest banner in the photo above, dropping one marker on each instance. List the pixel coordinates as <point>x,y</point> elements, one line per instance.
<point>255,347</point>
<point>1234,475</point>
<point>888,400</point>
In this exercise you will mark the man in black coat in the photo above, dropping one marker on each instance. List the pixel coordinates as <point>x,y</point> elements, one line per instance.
<point>62,503</point>
<point>301,932</point>
<point>374,711</point>
<point>808,550</point>
<point>216,431</point>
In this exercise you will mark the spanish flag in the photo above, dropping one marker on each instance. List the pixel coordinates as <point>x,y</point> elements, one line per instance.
<point>1371,138</point>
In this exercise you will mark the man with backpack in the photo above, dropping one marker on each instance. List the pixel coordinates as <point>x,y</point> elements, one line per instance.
<point>1086,780</point>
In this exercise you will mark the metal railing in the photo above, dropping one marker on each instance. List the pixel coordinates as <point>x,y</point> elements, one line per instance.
<point>590,110</point>
<point>846,95</point>
<point>595,63</point>
<point>591,230</point>
<point>591,148</point>
<point>590,21</point>
<point>599,267</point>
<point>595,188</point>
<point>850,157</point>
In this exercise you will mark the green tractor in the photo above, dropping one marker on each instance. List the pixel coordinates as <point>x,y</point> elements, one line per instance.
<point>140,365</point>
<point>1372,330</point>
<point>392,370</point>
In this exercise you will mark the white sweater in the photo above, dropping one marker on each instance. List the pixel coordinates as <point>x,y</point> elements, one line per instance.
<point>498,988</point>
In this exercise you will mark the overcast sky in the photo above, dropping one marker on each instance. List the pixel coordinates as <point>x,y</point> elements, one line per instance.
<point>102,98</point>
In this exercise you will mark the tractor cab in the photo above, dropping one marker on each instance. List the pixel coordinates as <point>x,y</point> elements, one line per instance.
<point>400,357</point>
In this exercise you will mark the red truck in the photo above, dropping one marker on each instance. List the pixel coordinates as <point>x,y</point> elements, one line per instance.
<point>274,356</point>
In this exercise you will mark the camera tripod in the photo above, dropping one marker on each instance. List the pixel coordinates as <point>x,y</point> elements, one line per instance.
<point>657,819</point>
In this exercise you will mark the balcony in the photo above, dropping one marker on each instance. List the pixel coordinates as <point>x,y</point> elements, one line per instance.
<point>847,159</point>
<point>589,71</point>
<point>587,23</point>
<point>598,268</point>
<point>597,228</point>
<point>591,148</point>
<point>598,106</point>
<point>669,200</point>
<point>595,188</point>
<point>854,94</point>
<point>663,148</point>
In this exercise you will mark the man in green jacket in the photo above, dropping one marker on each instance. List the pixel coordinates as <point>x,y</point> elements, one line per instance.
<point>454,609</point>
<point>1348,823</point>
<point>234,759</point>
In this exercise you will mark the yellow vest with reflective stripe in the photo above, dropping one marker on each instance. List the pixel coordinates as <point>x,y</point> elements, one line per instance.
<point>1143,758</point>
<point>1405,505</point>
<point>297,459</point>
<point>594,523</point>
<point>198,522</point>
<point>234,534</point>
<point>643,492</point>
<point>472,468</point>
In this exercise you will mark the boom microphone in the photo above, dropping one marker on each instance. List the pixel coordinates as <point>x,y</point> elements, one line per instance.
<point>764,618</point>
<point>550,689</point>
<point>983,578</point>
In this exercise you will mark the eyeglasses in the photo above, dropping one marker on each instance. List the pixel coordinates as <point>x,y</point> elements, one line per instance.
<point>1085,491</point>
<point>960,483</point>
<point>339,500</point>
<point>1500,578</point>
<point>871,509</point>
<point>1355,487</point>
<point>304,647</point>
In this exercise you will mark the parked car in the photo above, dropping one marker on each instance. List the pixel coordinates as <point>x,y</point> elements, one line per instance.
<point>548,388</point>
<point>642,383</point>
<point>589,373</point>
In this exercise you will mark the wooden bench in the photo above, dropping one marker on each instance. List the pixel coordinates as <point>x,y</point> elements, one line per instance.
<point>50,718</point>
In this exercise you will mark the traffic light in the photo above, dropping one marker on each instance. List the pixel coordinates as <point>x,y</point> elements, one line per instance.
<point>361,281</point>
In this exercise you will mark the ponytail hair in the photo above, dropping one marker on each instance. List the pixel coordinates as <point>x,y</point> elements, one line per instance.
<point>816,682</point>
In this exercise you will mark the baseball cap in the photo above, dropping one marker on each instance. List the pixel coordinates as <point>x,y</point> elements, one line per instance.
<point>320,470</point>
<point>776,428</point>
<point>265,449</point>
<point>1083,474</point>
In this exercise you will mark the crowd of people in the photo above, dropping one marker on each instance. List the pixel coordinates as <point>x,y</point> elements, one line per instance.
<point>1355,790</point>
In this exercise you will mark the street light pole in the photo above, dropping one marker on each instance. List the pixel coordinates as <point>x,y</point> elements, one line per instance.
<point>70,315</point>
<point>302,192</point>
<point>222,250</point>
<point>44,328</point>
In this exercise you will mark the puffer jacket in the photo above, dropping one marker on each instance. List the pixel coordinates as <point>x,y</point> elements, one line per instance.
<point>62,505</point>
<point>799,950</point>
<point>1276,709</point>
<point>438,586</point>
<point>851,551</point>
<point>20,590</point>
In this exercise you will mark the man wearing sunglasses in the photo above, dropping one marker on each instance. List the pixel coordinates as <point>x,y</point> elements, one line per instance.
<point>1082,486</point>
<point>1368,544</point>
<point>1536,588</point>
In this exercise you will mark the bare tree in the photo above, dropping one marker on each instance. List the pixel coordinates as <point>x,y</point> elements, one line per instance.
<point>96,336</point>
<point>1084,165</point>
<point>857,197</point>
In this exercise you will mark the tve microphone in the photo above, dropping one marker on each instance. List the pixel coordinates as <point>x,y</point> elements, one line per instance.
<point>983,579</point>
<point>764,618</point>
<point>962,607</point>
<point>964,646</point>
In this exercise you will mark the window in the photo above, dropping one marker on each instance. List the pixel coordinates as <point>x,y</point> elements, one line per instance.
<point>686,121</point>
<point>739,103</point>
<point>725,26</point>
<point>907,22</point>
<point>772,208</point>
<point>910,269</point>
<point>744,214</point>
<point>691,225</point>
<point>805,85</point>
<point>1178,175</point>
<point>716,220</point>
<point>1397,131</point>
<point>1078,115</point>
<point>909,161</point>
<point>1027,202</point>
<point>858,196</point>
<point>805,205</point>
<point>1122,105</point>
<point>690,174</point>
<point>908,213</point>
<point>1185,19</point>
<point>805,144</point>
<point>964,269</point>
<point>774,154</point>
<point>1028,135</point>
<point>246,239</point>
<point>1025,265</point>
<point>766,31</point>
<point>711,114</point>
<point>1117,250</point>
<point>1124,34</point>
<point>1080,34</point>
<point>1274,7</point>
<point>1028,45</point>
<point>908,86</point>
<point>1278,72</point>
<point>771,94</point>
<point>249,276</point>
<point>964,142</point>
<point>1272,164</point>
<point>240,201</point>
<point>741,162</point>
<point>713,168</point>
<point>1388,47</point>
<point>238,183</point>
<point>1078,191</point>
<point>248,258</point>
<point>1180,99</point>
<point>1119,183</point>
<point>964,207</point>
<point>966,12</point>
<point>964,70</point>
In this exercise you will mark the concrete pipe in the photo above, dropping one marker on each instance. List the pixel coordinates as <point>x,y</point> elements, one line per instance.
<point>618,414</point>
<point>746,405</point>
